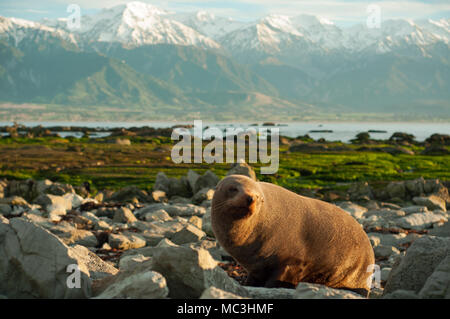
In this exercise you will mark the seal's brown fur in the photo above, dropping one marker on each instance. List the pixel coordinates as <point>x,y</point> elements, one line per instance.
<point>282,238</point>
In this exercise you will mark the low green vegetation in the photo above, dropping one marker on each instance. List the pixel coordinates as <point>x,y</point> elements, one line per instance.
<point>327,170</point>
<point>107,165</point>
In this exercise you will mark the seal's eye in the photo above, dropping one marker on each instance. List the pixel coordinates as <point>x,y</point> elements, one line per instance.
<point>232,189</point>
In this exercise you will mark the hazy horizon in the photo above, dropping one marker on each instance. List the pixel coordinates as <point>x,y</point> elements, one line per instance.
<point>341,12</point>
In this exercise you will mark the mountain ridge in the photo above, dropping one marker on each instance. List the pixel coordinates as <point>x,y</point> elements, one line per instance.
<point>205,63</point>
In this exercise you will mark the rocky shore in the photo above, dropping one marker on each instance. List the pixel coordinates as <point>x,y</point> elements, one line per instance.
<point>19,130</point>
<point>159,244</point>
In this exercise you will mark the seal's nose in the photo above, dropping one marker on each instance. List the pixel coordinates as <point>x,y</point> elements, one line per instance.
<point>249,200</point>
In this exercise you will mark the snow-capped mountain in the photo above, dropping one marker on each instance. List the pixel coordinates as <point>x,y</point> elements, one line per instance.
<point>208,23</point>
<point>302,42</point>
<point>396,34</point>
<point>319,30</point>
<point>275,33</point>
<point>440,28</point>
<point>271,35</point>
<point>135,24</point>
<point>204,57</point>
<point>18,31</point>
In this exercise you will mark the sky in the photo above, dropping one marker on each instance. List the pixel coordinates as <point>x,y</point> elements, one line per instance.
<point>342,12</point>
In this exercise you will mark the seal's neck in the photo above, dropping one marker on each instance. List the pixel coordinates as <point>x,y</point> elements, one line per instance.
<point>240,232</point>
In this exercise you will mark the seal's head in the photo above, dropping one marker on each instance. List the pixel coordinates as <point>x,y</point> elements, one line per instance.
<point>237,197</point>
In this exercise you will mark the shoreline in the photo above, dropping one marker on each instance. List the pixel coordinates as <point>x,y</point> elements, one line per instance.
<point>320,131</point>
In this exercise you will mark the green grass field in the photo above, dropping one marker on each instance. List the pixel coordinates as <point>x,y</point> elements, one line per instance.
<point>111,166</point>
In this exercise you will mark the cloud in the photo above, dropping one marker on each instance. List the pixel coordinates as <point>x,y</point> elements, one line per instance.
<point>36,11</point>
<point>356,9</point>
<point>335,10</point>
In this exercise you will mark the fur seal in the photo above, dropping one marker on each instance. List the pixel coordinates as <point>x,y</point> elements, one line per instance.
<point>282,238</point>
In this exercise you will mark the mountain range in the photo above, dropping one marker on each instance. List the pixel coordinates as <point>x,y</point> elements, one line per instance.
<point>168,65</point>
